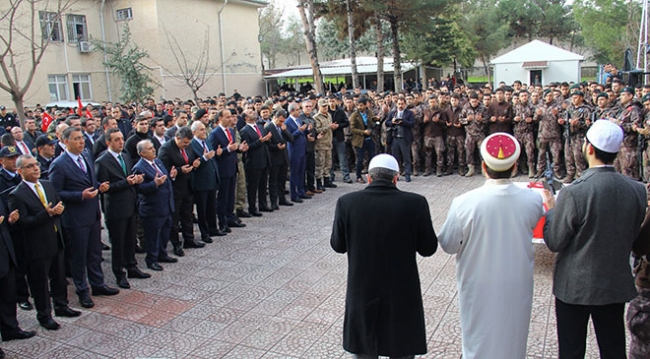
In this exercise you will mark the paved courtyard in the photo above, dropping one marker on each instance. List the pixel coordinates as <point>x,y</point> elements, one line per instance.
<point>274,289</point>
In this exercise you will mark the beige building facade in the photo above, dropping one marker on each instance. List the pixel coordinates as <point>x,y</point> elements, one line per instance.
<point>70,67</point>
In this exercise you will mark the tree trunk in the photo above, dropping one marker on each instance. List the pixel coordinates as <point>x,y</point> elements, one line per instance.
<point>17,97</point>
<point>353,50</point>
<point>380,55</point>
<point>423,76</point>
<point>397,57</point>
<point>310,41</point>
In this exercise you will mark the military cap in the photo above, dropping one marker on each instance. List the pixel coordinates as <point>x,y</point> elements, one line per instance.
<point>45,140</point>
<point>9,151</point>
<point>578,93</point>
<point>628,89</point>
<point>645,98</point>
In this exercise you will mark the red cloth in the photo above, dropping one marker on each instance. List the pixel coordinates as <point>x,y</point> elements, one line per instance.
<point>45,123</point>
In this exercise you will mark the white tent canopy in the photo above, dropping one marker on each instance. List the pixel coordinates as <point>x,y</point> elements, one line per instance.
<point>365,65</point>
<point>535,51</point>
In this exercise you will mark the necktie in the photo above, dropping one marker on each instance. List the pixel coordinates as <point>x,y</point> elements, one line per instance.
<point>258,131</point>
<point>119,157</point>
<point>81,164</point>
<point>25,149</point>
<point>187,160</point>
<point>229,135</point>
<point>205,148</point>
<point>153,164</point>
<point>40,193</point>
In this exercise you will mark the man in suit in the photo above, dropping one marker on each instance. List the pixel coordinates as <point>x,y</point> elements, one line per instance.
<point>31,133</point>
<point>90,133</point>
<point>9,328</point>
<point>155,204</point>
<point>280,136</point>
<point>45,153</point>
<point>60,146</point>
<point>383,308</point>
<point>39,233</point>
<point>204,182</point>
<point>141,133</point>
<point>100,144</point>
<point>256,163</point>
<point>402,120</point>
<point>175,154</point>
<point>223,136</point>
<point>361,122</point>
<point>25,148</point>
<point>297,154</point>
<point>158,132</point>
<point>119,205</point>
<point>593,227</point>
<point>310,156</point>
<point>180,120</point>
<point>74,179</point>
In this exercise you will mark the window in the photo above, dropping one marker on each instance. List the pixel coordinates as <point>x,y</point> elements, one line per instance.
<point>58,87</point>
<point>51,26</point>
<point>124,14</point>
<point>77,29</point>
<point>81,87</point>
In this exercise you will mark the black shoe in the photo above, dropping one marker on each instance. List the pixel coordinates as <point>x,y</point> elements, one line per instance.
<point>104,290</point>
<point>18,334</point>
<point>206,239</point>
<point>297,200</point>
<point>266,209</point>
<point>155,266</point>
<point>139,249</point>
<point>66,312</point>
<point>285,203</point>
<point>2,354</point>
<point>347,180</point>
<point>85,301</point>
<point>305,197</point>
<point>225,229</point>
<point>217,233</point>
<point>178,250</point>
<point>122,283</point>
<point>49,324</point>
<point>105,247</point>
<point>193,244</point>
<point>329,184</point>
<point>361,180</point>
<point>256,213</point>
<point>26,305</point>
<point>137,273</point>
<point>243,214</point>
<point>236,224</point>
<point>167,260</point>
<point>275,207</point>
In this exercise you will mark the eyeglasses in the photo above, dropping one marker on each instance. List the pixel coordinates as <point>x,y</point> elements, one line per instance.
<point>30,165</point>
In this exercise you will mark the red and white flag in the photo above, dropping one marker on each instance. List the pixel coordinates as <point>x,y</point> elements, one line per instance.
<point>47,120</point>
<point>80,107</point>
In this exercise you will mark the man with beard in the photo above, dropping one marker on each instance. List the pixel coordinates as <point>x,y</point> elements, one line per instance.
<point>524,129</point>
<point>474,118</point>
<point>434,140</point>
<point>455,137</point>
<point>500,114</point>
<point>578,116</point>
<point>401,120</point>
<point>549,137</point>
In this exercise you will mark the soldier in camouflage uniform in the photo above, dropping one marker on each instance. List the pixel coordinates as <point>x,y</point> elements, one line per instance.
<point>602,109</point>
<point>644,131</point>
<point>455,137</point>
<point>549,137</point>
<point>416,146</point>
<point>638,314</point>
<point>434,129</point>
<point>629,118</point>
<point>524,129</point>
<point>578,116</point>
<point>474,118</point>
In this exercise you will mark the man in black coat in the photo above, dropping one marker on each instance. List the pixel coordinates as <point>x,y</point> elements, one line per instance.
<point>279,159</point>
<point>176,154</point>
<point>256,163</point>
<point>119,206</point>
<point>381,228</point>
<point>38,231</point>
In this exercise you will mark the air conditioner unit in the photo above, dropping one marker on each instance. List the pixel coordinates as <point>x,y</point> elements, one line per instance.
<point>85,46</point>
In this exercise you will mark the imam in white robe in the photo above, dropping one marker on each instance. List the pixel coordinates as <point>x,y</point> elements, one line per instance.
<point>490,231</point>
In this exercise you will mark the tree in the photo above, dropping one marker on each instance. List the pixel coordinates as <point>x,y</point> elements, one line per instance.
<point>608,27</point>
<point>193,71</point>
<point>293,43</point>
<point>487,31</point>
<point>125,60</point>
<point>270,18</point>
<point>27,27</point>
<point>557,21</point>
<point>306,10</point>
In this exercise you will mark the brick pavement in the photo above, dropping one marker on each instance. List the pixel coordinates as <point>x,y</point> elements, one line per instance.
<point>274,289</point>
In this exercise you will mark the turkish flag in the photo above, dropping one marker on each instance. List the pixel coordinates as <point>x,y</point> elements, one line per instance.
<point>80,107</point>
<point>47,120</point>
<point>88,114</point>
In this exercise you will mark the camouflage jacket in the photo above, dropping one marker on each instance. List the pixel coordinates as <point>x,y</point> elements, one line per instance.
<point>524,120</point>
<point>475,119</point>
<point>549,128</point>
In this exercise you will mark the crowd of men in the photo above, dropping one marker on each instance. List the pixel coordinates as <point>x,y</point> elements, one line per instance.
<point>154,169</point>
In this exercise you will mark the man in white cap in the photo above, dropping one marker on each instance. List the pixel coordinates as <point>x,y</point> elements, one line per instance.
<point>381,228</point>
<point>490,230</point>
<point>593,228</point>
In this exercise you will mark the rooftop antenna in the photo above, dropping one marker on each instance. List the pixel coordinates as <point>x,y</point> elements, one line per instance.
<point>643,48</point>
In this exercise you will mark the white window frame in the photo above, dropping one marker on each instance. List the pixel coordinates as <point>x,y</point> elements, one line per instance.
<point>124,14</point>
<point>73,22</point>
<point>51,26</point>
<point>61,86</point>
<point>82,79</point>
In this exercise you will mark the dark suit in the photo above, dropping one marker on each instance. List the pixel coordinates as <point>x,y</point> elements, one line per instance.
<point>8,322</point>
<point>58,150</point>
<point>383,307</point>
<point>227,164</point>
<point>171,132</point>
<point>89,145</point>
<point>28,137</point>
<point>170,155</point>
<point>99,147</point>
<point>131,145</point>
<point>279,162</point>
<point>118,204</point>
<point>402,138</point>
<point>81,220</point>
<point>204,182</point>
<point>30,148</point>
<point>44,164</point>
<point>310,159</point>
<point>155,206</point>
<point>40,236</point>
<point>297,154</point>
<point>7,184</point>
<point>256,163</point>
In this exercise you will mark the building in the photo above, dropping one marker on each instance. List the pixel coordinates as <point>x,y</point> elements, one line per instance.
<point>227,30</point>
<point>537,62</point>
